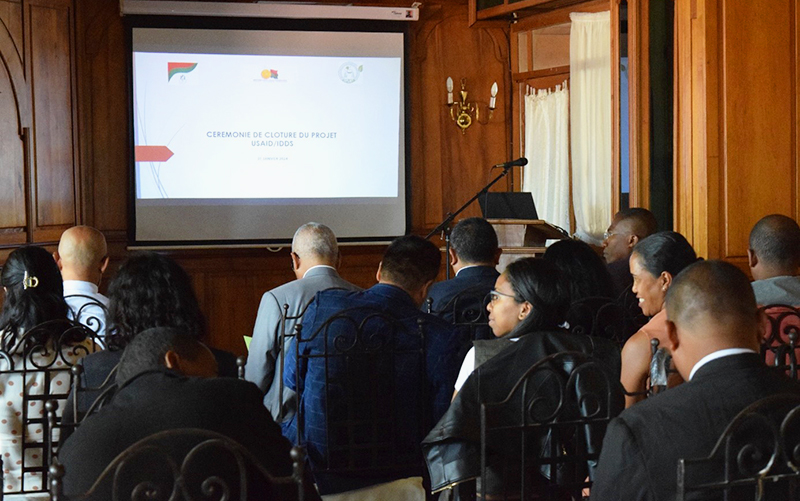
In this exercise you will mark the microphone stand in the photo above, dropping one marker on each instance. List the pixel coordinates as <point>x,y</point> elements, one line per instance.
<point>444,226</point>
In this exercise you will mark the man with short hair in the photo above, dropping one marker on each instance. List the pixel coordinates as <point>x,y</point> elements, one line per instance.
<point>774,257</point>
<point>628,227</point>
<point>404,276</point>
<point>474,254</point>
<point>713,336</point>
<point>315,257</point>
<point>82,257</point>
<point>162,385</point>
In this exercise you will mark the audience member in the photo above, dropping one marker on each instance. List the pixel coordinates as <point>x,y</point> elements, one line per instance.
<point>149,290</point>
<point>628,227</point>
<point>315,256</point>
<point>474,254</point>
<point>82,257</point>
<point>528,303</point>
<point>713,335</point>
<point>584,272</point>
<point>774,258</point>
<point>404,276</point>
<point>161,387</point>
<point>33,295</point>
<point>528,297</point>
<point>655,263</point>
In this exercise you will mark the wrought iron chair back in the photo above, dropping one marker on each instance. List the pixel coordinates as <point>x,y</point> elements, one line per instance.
<point>756,457</point>
<point>634,318</point>
<point>39,366</point>
<point>290,328</point>
<point>779,346</point>
<point>598,317</point>
<point>187,464</point>
<point>467,310</point>
<point>88,311</point>
<point>543,440</point>
<point>376,408</point>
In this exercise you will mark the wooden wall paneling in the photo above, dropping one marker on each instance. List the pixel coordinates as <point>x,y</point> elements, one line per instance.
<point>682,122</point>
<point>639,99</point>
<point>615,107</point>
<point>49,60</point>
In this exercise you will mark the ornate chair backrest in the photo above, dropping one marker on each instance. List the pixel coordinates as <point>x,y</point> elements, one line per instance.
<point>544,438</point>
<point>756,457</point>
<point>187,464</point>
<point>634,318</point>
<point>598,317</point>
<point>374,394</point>
<point>36,367</point>
<point>290,327</point>
<point>781,338</point>
<point>467,310</point>
<point>88,311</point>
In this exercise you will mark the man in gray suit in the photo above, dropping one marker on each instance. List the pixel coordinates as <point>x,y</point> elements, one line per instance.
<point>315,256</point>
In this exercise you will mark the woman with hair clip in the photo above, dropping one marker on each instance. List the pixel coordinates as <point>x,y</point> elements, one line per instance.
<point>654,263</point>
<point>528,305</point>
<point>32,337</point>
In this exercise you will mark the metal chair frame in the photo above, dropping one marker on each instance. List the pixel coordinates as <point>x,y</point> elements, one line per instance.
<point>464,311</point>
<point>93,322</point>
<point>606,318</point>
<point>782,339</point>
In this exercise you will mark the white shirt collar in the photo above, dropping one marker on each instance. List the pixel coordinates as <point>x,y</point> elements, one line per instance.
<point>79,286</point>
<point>318,266</point>
<point>465,267</point>
<point>717,354</point>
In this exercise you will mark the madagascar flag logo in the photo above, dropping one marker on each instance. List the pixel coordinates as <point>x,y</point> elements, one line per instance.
<point>175,68</point>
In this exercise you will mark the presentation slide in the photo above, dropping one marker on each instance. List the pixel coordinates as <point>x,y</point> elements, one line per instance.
<point>243,135</point>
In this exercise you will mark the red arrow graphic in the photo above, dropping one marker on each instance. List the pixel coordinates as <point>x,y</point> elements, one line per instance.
<point>152,153</point>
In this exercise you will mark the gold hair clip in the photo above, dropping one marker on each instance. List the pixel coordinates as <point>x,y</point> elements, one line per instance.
<point>29,281</point>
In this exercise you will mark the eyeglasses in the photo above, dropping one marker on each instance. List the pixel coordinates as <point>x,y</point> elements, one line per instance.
<point>495,295</point>
<point>607,234</point>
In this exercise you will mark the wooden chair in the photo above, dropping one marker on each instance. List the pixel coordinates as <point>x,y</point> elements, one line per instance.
<point>756,457</point>
<point>186,464</point>
<point>780,343</point>
<point>543,440</point>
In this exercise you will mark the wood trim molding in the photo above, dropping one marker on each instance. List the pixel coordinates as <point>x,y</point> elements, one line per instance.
<point>639,102</point>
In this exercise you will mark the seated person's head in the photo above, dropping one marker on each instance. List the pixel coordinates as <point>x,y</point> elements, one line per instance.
<point>151,290</point>
<point>34,292</point>
<point>411,263</point>
<point>774,247</point>
<point>628,227</point>
<point>584,272</point>
<point>82,254</point>
<point>473,241</point>
<point>527,297</point>
<point>166,348</point>
<point>710,307</point>
<point>313,244</point>
<point>655,262</point>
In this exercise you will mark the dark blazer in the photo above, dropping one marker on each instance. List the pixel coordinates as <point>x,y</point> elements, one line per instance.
<point>477,282</point>
<point>452,448</point>
<point>639,459</point>
<point>442,342</point>
<point>621,279</point>
<point>161,400</point>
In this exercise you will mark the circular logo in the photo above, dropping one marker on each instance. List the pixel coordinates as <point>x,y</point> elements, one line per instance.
<point>348,72</point>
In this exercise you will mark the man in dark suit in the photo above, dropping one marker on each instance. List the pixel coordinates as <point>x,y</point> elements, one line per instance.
<point>156,394</point>
<point>473,255</point>
<point>713,331</point>
<point>407,270</point>
<point>315,256</point>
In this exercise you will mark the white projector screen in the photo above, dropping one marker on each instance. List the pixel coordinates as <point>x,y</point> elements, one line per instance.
<point>244,135</point>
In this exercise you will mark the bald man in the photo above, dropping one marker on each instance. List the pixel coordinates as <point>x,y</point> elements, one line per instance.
<point>628,227</point>
<point>774,259</point>
<point>82,257</point>
<point>713,335</point>
<point>315,256</point>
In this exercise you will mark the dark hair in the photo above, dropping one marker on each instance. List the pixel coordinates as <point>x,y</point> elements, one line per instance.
<point>775,239</point>
<point>474,240</point>
<point>642,222</point>
<point>146,351</point>
<point>665,251</point>
<point>584,272</point>
<point>410,261</point>
<point>151,290</point>
<point>540,283</point>
<point>29,304</point>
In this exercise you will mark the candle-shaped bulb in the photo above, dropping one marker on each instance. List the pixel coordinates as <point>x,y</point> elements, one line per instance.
<point>449,90</point>
<point>493,99</point>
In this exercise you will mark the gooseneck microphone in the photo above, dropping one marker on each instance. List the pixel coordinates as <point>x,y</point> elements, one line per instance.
<point>514,163</point>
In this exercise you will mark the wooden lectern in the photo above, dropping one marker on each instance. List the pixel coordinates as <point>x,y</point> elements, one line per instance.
<point>523,238</point>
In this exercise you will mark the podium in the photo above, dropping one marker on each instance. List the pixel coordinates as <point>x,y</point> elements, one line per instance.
<point>523,238</point>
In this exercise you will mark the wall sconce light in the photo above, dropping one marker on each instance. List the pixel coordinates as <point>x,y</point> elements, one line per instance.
<point>461,111</point>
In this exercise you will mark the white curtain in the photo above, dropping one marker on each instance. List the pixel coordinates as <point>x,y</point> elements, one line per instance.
<point>547,150</point>
<point>590,81</point>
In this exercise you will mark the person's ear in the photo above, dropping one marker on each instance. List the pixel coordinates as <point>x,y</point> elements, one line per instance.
<point>497,255</point>
<point>673,341</point>
<point>57,259</point>
<point>666,280</point>
<point>632,241</point>
<point>425,289</point>
<point>752,259</point>
<point>453,257</point>
<point>378,274</point>
<point>525,310</point>
<point>172,360</point>
<point>295,261</point>
<point>104,264</point>
<point>338,259</point>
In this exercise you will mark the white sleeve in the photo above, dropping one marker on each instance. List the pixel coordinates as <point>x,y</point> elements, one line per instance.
<point>466,369</point>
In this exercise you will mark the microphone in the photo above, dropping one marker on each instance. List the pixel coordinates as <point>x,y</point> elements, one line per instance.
<point>514,163</point>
